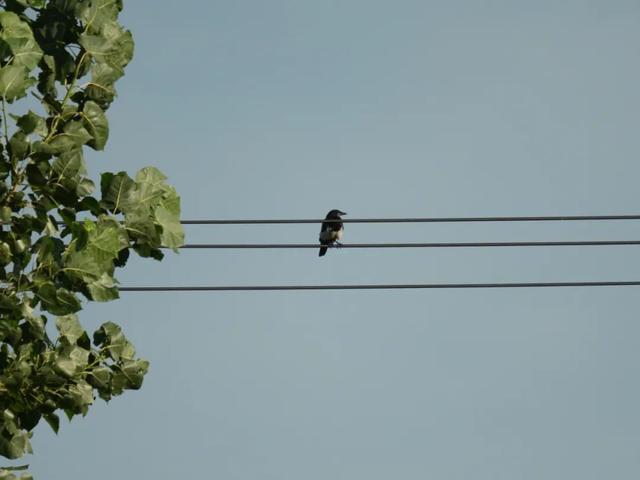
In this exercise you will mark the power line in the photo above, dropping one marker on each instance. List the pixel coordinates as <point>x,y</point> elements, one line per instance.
<point>280,221</point>
<point>407,286</point>
<point>412,245</point>
<point>564,218</point>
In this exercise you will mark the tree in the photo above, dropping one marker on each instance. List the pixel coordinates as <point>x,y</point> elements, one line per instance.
<point>60,241</point>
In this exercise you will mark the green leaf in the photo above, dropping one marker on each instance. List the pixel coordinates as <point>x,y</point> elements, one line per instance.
<point>122,259</point>
<point>74,135</point>
<point>58,301</point>
<point>32,3</point>
<point>100,377</point>
<point>19,146</point>
<point>110,336</point>
<point>14,81</point>
<point>49,251</point>
<point>72,360</point>
<point>18,36</point>
<point>36,321</point>
<point>5,214</point>
<point>32,123</point>
<point>104,289</point>
<point>79,397</point>
<point>113,46</point>
<point>5,253</point>
<point>123,45</point>
<point>69,166</point>
<point>89,204</point>
<point>116,190</point>
<point>118,383</point>
<point>153,203</point>
<point>14,442</point>
<point>98,13</point>
<point>151,185</point>
<point>85,188</point>
<point>134,371</point>
<point>37,173</point>
<point>53,420</point>
<point>96,124</point>
<point>105,240</point>
<point>168,216</point>
<point>69,328</point>
<point>6,473</point>
<point>69,171</point>
<point>67,303</point>
<point>100,89</point>
<point>16,446</point>
<point>66,367</point>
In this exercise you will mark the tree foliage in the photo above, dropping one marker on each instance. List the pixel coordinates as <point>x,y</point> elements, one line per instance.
<point>62,238</point>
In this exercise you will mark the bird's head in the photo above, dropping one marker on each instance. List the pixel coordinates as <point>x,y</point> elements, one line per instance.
<point>335,214</point>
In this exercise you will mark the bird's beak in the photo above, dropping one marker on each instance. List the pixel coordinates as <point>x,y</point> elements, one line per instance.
<point>343,213</point>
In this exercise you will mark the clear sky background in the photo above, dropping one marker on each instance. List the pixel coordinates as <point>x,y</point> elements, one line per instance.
<point>289,108</point>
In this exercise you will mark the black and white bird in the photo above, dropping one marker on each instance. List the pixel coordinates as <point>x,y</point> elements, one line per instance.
<point>331,232</point>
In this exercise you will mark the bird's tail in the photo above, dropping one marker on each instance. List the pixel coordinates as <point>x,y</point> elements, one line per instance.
<point>323,250</point>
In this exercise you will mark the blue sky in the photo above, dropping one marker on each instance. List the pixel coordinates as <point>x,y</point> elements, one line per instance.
<point>288,109</point>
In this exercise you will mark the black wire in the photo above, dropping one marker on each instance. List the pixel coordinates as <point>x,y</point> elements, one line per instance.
<point>412,245</point>
<point>551,218</point>
<point>563,218</point>
<point>413,286</point>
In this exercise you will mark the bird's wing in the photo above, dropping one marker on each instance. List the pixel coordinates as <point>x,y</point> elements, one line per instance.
<point>326,236</point>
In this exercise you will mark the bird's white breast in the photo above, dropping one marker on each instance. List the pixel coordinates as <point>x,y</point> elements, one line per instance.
<point>329,236</point>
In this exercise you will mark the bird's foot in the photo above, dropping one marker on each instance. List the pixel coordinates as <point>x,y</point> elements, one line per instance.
<point>337,244</point>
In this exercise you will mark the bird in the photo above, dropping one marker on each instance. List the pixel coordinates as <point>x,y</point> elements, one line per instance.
<point>331,232</point>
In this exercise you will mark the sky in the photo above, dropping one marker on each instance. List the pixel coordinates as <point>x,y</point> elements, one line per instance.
<point>290,108</point>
